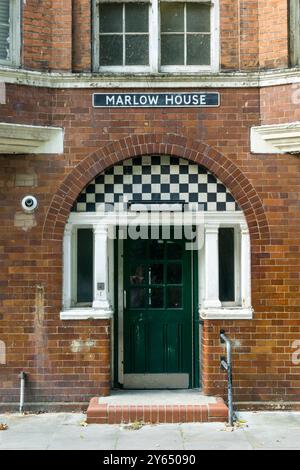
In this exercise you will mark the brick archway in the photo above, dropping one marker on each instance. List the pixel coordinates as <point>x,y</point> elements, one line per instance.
<point>164,144</point>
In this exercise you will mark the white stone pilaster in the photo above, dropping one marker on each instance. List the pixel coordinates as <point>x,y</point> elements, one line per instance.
<point>67,257</point>
<point>101,295</point>
<point>211,299</point>
<point>245,267</point>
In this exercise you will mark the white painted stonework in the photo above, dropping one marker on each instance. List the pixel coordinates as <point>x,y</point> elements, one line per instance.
<point>20,139</point>
<point>276,138</point>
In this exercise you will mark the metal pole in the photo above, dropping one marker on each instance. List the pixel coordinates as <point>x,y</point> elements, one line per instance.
<point>22,376</point>
<point>226,340</point>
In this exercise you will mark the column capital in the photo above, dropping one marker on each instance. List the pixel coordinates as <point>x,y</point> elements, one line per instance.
<point>100,229</point>
<point>68,229</point>
<point>212,228</point>
<point>244,229</point>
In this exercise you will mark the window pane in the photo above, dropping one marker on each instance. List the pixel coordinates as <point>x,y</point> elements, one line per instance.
<point>137,50</point>
<point>172,49</point>
<point>174,250</point>
<point>137,275</point>
<point>4,44</point>
<point>174,274</point>
<point>111,18</point>
<point>156,274</point>
<point>156,250</point>
<point>172,17</point>
<point>111,50</point>
<point>136,18</point>
<point>85,265</point>
<point>198,49</point>
<point>197,18</point>
<point>138,298</point>
<point>157,298</point>
<point>226,264</point>
<point>174,297</point>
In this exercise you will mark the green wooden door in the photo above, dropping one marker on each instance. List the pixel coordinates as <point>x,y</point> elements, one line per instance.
<point>158,314</point>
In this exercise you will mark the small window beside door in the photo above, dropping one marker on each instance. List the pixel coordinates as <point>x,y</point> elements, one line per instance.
<point>226,265</point>
<point>294,33</point>
<point>10,32</point>
<point>154,36</point>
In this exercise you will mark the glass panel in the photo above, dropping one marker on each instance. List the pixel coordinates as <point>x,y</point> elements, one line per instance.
<point>137,49</point>
<point>156,274</point>
<point>4,42</point>
<point>111,50</point>
<point>84,266</point>
<point>174,274</point>
<point>197,18</point>
<point>137,275</point>
<point>111,18</point>
<point>174,251</point>
<point>138,298</point>
<point>157,298</point>
<point>172,49</point>
<point>174,297</point>
<point>138,249</point>
<point>226,264</point>
<point>136,18</point>
<point>172,17</point>
<point>156,249</point>
<point>198,49</point>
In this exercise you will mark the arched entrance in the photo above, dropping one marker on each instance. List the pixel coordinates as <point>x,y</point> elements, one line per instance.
<point>155,242</point>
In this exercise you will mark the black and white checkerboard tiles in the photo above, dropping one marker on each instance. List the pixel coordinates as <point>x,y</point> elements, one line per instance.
<point>156,179</point>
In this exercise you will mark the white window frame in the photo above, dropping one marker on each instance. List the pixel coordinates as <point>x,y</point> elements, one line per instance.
<point>15,34</point>
<point>209,308</point>
<point>294,32</point>
<point>154,42</point>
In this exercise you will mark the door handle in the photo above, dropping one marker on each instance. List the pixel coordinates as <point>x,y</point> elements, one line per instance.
<point>125,298</point>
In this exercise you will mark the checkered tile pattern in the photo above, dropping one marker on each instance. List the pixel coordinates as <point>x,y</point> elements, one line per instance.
<point>156,179</point>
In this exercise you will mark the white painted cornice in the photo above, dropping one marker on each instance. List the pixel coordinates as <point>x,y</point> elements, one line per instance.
<point>140,80</point>
<point>276,138</point>
<point>19,139</point>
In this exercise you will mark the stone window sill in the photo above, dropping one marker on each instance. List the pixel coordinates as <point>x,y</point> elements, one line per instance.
<point>85,314</point>
<point>227,313</point>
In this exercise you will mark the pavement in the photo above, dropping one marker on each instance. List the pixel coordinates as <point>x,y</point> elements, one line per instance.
<point>256,431</point>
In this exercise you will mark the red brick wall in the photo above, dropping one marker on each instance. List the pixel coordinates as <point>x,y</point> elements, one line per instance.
<point>273,33</point>
<point>280,104</point>
<point>63,364</point>
<point>82,36</point>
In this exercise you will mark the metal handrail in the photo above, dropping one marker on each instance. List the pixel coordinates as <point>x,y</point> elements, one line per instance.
<point>226,364</point>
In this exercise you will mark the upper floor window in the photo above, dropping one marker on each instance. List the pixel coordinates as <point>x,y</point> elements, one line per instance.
<point>9,32</point>
<point>156,35</point>
<point>295,32</point>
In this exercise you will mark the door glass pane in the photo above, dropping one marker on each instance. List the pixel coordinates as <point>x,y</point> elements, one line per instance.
<point>157,297</point>
<point>172,49</point>
<point>156,249</point>
<point>226,264</point>
<point>174,251</point>
<point>84,266</point>
<point>138,298</point>
<point>172,17</point>
<point>137,47</point>
<point>136,18</point>
<point>174,274</point>
<point>197,18</point>
<point>111,50</point>
<point>156,274</point>
<point>111,18</point>
<point>138,275</point>
<point>198,49</point>
<point>138,249</point>
<point>174,296</point>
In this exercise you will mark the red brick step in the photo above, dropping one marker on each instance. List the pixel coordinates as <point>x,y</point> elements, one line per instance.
<point>112,413</point>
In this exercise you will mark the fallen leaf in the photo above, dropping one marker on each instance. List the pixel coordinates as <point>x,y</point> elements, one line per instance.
<point>3,427</point>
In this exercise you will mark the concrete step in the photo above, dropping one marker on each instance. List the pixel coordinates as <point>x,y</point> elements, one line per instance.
<point>184,406</point>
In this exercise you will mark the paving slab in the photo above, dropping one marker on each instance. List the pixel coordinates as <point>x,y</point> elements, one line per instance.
<point>260,430</point>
